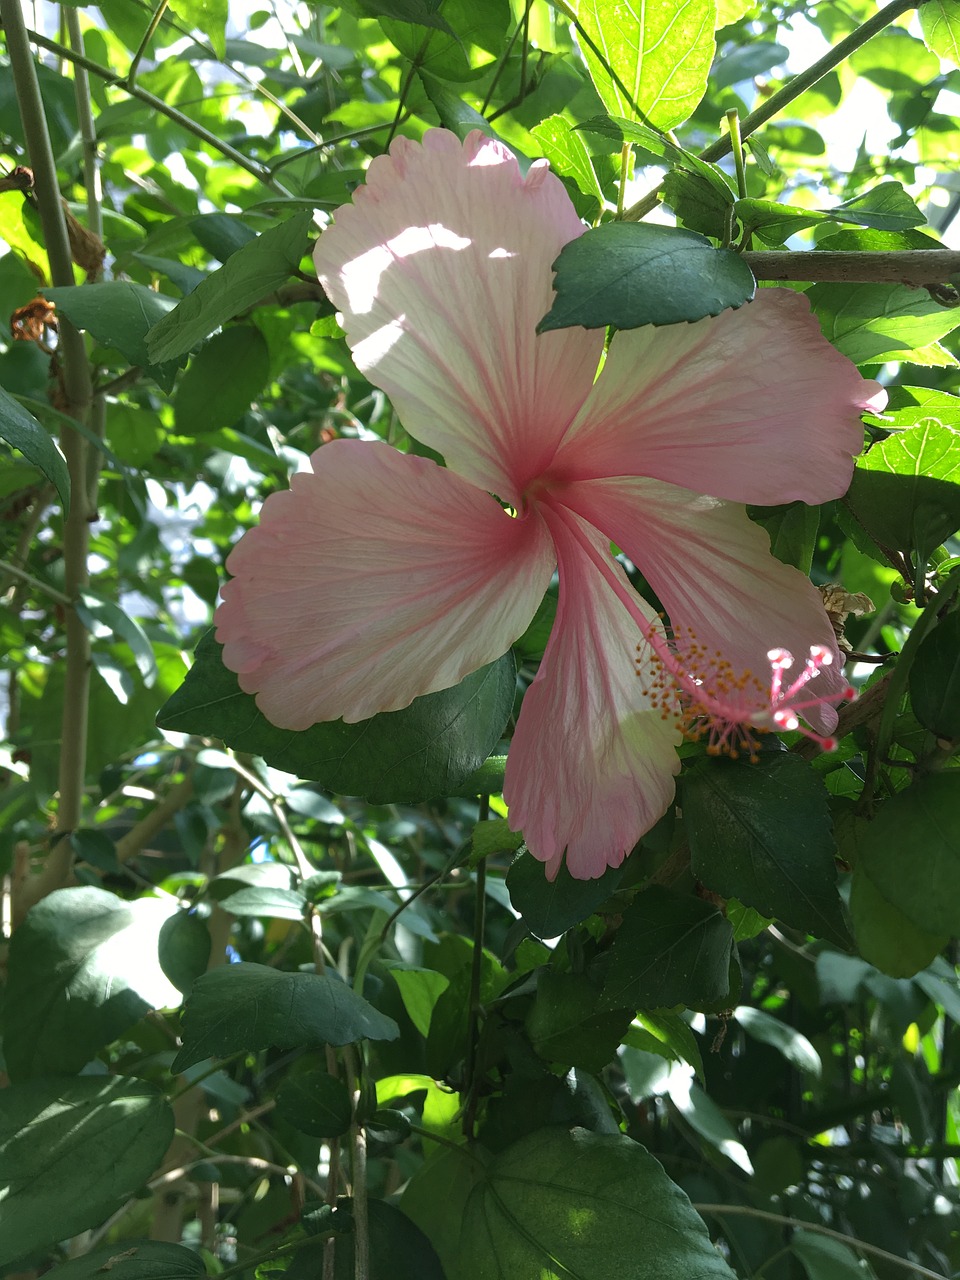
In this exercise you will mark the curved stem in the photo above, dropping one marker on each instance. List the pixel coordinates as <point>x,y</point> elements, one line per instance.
<point>147,37</point>
<point>783,97</point>
<point>861,1246</point>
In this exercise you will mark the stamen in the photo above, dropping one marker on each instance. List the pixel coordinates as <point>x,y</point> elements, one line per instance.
<point>710,699</point>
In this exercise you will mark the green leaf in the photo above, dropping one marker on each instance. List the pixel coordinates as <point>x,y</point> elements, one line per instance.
<point>447,53</point>
<point>207,16</point>
<point>567,1025</point>
<point>183,949</point>
<point>398,1250</point>
<point>222,380</point>
<point>873,322</point>
<point>559,1204</point>
<point>250,1006</point>
<point>133,1260</point>
<point>935,679</point>
<point>650,60</point>
<point>493,836</point>
<point>762,833</point>
<point>268,903</point>
<point>221,234</point>
<point>909,484</point>
<point>825,1258</point>
<point>423,12</point>
<point>697,202</point>
<point>424,751</point>
<point>911,852</point>
<point>95,611</point>
<point>455,114</point>
<point>773,223</point>
<point>794,1046</point>
<point>22,431</point>
<point>793,530</point>
<point>629,274</point>
<point>551,907</point>
<point>83,968</point>
<point>886,207</point>
<point>940,24</point>
<point>671,948</point>
<point>565,149</point>
<point>72,1151</point>
<point>119,314</point>
<point>315,1103</point>
<point>664,1032</point>
<point>885,936</point>
<point>420,989</point>
<point>704,1116</point>
<point>248,275</point>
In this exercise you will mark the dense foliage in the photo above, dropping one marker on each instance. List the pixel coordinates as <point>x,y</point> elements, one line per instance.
<point>302,1003</point>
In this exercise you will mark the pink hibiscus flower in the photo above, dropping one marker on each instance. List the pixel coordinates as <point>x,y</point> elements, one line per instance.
<point>380,576</point>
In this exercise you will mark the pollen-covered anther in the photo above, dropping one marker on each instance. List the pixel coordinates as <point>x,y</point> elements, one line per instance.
<point>731,709</point>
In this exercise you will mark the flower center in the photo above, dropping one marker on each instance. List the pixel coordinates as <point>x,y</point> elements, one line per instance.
<point>711,700</point>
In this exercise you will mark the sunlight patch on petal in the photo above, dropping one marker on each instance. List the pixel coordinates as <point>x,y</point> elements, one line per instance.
<point>442,269</point>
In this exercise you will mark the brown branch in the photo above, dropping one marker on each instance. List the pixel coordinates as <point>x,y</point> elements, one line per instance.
<point>914,267</point>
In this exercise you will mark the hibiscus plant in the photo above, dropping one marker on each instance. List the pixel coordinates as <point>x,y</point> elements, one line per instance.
<point>481,769</point>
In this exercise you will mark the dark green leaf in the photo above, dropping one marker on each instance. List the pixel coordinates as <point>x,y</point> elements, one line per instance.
<point>567,1025</point>
<point>551,907</point>
<point>651,59</point>
<point>697,203</point>
<point>911,852</point>
<point>223,378</point>
<point>582,1204</point>
<point>315,1103</point>
<point>885,936</point>
<point>119,314</point>
<point>762,833</point>
<point>629,274</point>
<point>935,679</point>
<point>183,949</point>
<point>248,275</point>
<point>793,530</point>
<point>425,13</point>
<point>83,968</point>
<point>72,1151</point>
<point>21,430</point>
<point>133,1260</point>
<point>671,948</point>
<point>398,1249</point>
<point>424,751</point>
<point>250,1006</point>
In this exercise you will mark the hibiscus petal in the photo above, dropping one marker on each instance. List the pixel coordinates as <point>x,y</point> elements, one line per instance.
<point>712,570</point>
<point>592,762</point>
<point>374,579</point>
<point>441,268</point>
<point>752,406</point>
